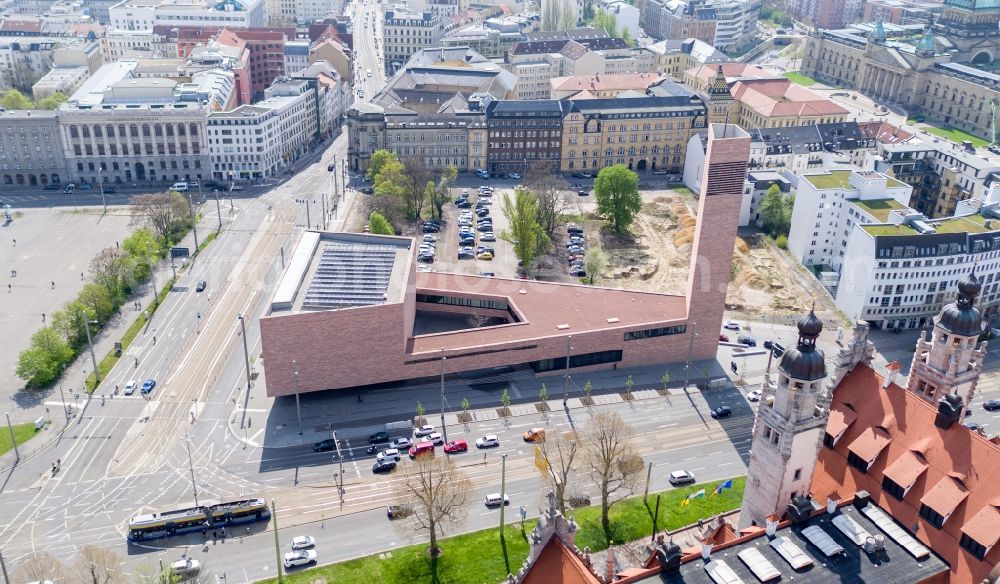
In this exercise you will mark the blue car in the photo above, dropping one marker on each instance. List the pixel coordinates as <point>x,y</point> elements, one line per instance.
<point>148,385</point>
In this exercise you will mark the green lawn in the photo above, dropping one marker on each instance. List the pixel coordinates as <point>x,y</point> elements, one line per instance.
<point>800,79</point>
<point>22,433</point>
<point>476,557</point>
<point>955,135</point>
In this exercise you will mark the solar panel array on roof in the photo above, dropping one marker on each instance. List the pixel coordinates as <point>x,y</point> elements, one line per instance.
<point>822,540</point>
<point>350,275</point>
<point>895,532</point>
<point>759,565</point>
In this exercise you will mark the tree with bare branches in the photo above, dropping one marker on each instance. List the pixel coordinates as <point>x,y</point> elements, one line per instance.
<point>549,187</point>
<point>560,454</point>
<point>437,493</point>
<point>40,568</point>
<point>99,565</point>
<point>111,268</point>
<point>162,212</point>
<point>609,455</point>
<point>441,193</point>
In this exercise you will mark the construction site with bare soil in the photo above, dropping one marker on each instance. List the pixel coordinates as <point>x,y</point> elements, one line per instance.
<point>655,257</point>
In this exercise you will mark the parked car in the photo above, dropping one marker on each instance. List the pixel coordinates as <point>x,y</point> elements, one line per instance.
<point>731,325</point>
<point>69,188</point>
<point>535,435</point>
<point>202,284</point>
<point>680,477</point>
<point>330,167</point>
<point>426,258</point>
<point>466,253</point>
<point>746,340</point>
<point>973,426</point>
<point>422,448</point>
<point>582,193</point>
<point>382,466</point>
<point>378,437</point>
<point>148,385</point>
<point>484,227</point>
<point>723,339</point>
<point>722,412</point>
<point>430,228</point>
<point>130,387</point>
<point>659,172</point>
<point>463,203</point>
<point>84,186</point>
<point>514,176</point>
<point>487,236</point>
<point>991,405</point>
<point>578,271</point>
<point>488,441</point>
<point>487,274</point>
<point>577,175</point>
<point>184,570</point>
<point>401,443</point>
<point>303,542</point>
<point>484,255</point>
<point>398,511</point>
<point>325,445</point>
<point>365,190</point>
<point>389,454</point>
<point>108,190</point>
<point>754,396</point>
<point>456,446</point>
<point>435,438</point>
<point>299,558</point>
<point>430,238</point>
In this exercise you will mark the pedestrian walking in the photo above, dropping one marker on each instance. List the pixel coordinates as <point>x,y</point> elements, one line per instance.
<point>15,242</point>
<point>8,288</point>
<point>81,275</point>
<point>53,284</point>
<point>43,317</point>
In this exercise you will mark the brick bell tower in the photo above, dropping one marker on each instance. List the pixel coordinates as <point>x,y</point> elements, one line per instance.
<point>726,157</point>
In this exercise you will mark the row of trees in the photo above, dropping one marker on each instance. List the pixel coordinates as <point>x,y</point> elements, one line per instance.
<point>115,272</point>
<point>437,492</point>
<point>403,189</point>
<point>775,15</point>
<point>96,565</point>
<point>13,99</point>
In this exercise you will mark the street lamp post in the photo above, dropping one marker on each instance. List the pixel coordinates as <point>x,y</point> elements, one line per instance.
<point>90,345</point>
<point>246,360</point>
<point>194,221</point>
<point>298,411</point>
<point>687,364</point>
<point>569,348</point>
<point>308,218</point>
<point>17,453</point>
<point>218,208</point>
<point>194,485</point>
<point>444,429</point>
<point>104,202</point>
<point>277,546</point>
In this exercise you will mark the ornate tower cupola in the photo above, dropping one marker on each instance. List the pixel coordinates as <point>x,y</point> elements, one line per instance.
<point>719,99</point>
<point>877,34</point>
<point>925,48</point>
<point>789,428</point>
<point>952,359</point>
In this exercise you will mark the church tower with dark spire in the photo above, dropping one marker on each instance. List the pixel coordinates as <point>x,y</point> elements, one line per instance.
<point>719,100</point>
<point>952,359</point>
<point>788,431</point>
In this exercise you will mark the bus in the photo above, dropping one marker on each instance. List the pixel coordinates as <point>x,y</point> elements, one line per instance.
<point>193,519</point>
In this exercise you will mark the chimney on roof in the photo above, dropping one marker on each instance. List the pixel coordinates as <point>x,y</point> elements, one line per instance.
<point>949,411</point>
<point>892,370</point>
<point>706,551</point>
<point>861,499</point>
<point>799,509</point>
<point>770,527</point>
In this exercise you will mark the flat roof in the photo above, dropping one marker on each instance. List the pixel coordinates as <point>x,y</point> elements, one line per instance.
<point>975,223</point>
<point>334,271</point>
<point>544,309</point>
<point>833,179</point>
<point>895,564</point>
<point>878,208</point>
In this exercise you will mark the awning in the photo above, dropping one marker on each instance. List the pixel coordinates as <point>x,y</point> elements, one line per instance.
<point>840,420</point>
<point>869,444</point>
<point>905,470</point>
<point>984,527</point>
<point>945,496</point>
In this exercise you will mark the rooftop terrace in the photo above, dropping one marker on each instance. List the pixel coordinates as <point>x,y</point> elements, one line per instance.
<point>878,208</point>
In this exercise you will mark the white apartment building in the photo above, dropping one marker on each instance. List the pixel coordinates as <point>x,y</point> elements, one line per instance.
<point>145,14</point>
<point>626,16</point>
<point>63,80</point>
<point>128,44</point>
<point>404,33</point>
<point>828,206</point>
<point>26,59</point>
<point>736,21</point>
<point>307,11</point>
<point>262,140</point>
<point>903,269</point>
<point>281,12</point>
<point>121,129</point>
<point>296,56</point>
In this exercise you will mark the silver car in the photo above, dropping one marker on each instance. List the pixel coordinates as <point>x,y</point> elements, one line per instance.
<point>299,558</point>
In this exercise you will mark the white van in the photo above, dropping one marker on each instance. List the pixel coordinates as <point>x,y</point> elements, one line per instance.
<point>493,500</point>
<point>179,186</point>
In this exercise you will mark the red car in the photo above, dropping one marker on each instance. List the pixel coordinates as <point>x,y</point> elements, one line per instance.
<point>723,339</point>
<point>456,446</point>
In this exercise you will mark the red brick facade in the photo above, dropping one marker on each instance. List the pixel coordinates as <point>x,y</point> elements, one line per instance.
<point>367,345</point>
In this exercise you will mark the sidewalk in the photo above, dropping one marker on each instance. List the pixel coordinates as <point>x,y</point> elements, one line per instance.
<point>341,411</point>
<point>73,378</point>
